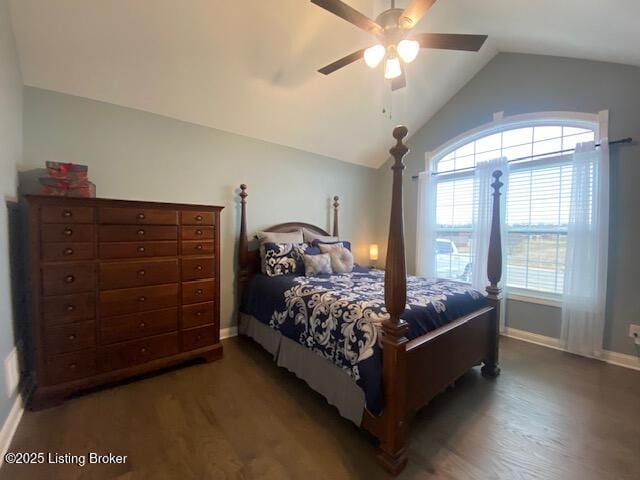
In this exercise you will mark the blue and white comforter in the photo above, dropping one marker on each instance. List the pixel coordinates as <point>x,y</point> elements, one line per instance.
<point>338,316</point>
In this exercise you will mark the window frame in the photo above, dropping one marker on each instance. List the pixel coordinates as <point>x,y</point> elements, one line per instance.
<point>598,123</point>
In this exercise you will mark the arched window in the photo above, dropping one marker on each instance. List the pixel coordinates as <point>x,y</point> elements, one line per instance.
<point>539,148</point>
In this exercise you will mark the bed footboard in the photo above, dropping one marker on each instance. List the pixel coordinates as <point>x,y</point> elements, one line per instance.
<point>436,360</point>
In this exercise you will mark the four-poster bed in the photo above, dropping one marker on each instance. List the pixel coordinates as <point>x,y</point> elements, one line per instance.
<point>413,371</point>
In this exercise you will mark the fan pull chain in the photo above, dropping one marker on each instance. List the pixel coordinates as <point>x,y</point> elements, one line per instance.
<point>389,100</point>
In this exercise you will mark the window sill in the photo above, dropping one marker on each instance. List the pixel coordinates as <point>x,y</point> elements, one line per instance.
<point>537,298</point>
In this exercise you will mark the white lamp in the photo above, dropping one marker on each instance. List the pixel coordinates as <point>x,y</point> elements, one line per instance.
<point>374,55</point>
<point>373,253</point>
<point>408,50</point>
<point>392,68</point>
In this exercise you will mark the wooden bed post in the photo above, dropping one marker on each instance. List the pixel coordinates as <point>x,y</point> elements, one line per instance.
<point>494,272</point>
<point>391,453</point>
<point>243,245</point>
<point>336,204</point>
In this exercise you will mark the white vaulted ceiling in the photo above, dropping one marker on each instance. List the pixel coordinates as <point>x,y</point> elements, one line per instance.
<point>249,67</point>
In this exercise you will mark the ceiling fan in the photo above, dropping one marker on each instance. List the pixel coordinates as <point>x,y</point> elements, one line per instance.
<point>396,43</point>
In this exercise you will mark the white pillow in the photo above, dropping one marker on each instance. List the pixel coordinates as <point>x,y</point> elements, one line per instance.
<point>310,236</point>
<point>341,257</point>
<point>317,264</point>
<point>280,237</point>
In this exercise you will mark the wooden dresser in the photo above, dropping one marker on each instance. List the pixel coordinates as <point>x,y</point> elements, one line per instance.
<point>119,288</point>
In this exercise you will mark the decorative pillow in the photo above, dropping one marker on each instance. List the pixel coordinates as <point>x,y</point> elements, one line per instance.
<point>310,236</point>
<point>341,257</point>
<point>317,264</point>
<point>280,237</point>
<point>283,258</point>
<point>344,243</point>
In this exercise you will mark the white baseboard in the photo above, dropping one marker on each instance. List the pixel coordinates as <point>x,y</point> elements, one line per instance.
<point>614,358</point>
<point>228,332</point>
<point>622,359</point>
<point>525,336</point>
<point>10,426</point>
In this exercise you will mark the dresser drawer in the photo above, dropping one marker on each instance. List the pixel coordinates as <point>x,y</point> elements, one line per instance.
<point>197,248</point>
<point>198,314</point>
<point>67,232</point>
<point>68,308</point>
<point>199,337</point>
<point>70,366</point>
<point>133,300</point>
<point>136,233</point>
<point>69,338</point>
<point>128,327</point>
<point>197,233</point>
<point>198,292</point>
<point>188,217</point>
<point>68,278</point>
<point>137,274</point>
<point>138,249</point>
<point>56,252</point>
<point>197,268</point>
<point>138,216</point>
<point>69,214</point>
<point>126,354</point>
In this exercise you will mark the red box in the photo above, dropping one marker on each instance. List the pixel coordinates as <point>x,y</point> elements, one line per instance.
<point>71,172</point>
<point>63,188</point>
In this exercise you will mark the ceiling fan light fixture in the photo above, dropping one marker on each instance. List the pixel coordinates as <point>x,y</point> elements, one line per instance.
<point>408,50</point>
<point>392,68</point>
<point>374,55</point>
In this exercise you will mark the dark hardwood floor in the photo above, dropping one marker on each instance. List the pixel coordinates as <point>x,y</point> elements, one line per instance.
<point>550,415</point>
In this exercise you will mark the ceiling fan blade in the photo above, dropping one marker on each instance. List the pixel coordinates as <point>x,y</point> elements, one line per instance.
<point>343,62</point>
<point>414,12</point>
<point>399,82</point>
<point>450,41</point>
<point>351,15</point>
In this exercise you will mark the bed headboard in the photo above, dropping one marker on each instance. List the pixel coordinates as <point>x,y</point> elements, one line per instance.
<point>249,260</point>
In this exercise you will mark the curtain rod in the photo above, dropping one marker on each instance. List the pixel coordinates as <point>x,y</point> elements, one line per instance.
<point>559,152</point>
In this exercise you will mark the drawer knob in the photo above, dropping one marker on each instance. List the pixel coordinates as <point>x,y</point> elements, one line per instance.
<point>199,218</point>
<point>199,268</point>
<point>68,232</point>
<point>141,216</point>
<point>142,324</point>
<point>198,337</point>
<point>198,247</point>
<point>141,273</point>
<point>71,308</point>
<point>143,350</point>
<point>141,232</point>
<point>72,337</point>
<point>199,313</point>
<point>142,299</point>
<point>199,291</point>
<point>67,214</point>
<point>68,251</point>
<point>198,232</point>
<point>72,366</point>
<point>141,249</point>
<point>69,279</point>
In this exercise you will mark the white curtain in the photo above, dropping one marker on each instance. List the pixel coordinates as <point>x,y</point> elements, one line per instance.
<point>425,234</point>
<point>483,197</point>
<point>585,274</point>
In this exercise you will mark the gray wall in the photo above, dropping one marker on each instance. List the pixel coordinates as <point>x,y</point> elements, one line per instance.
<point>136,155</point>
<point>516,84</point>
<point>10,154</point>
